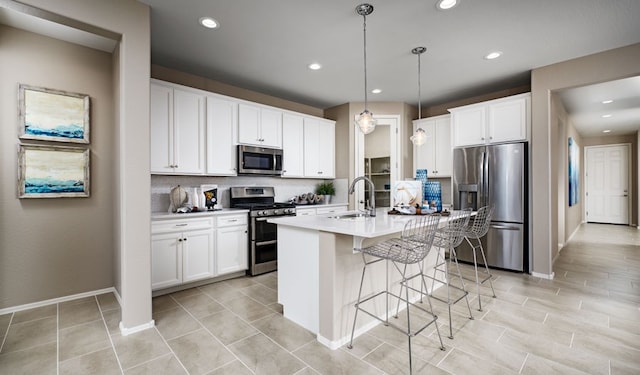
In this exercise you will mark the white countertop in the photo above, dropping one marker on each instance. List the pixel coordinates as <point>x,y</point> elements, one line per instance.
<point>224,211</point>
<point>366,227</point>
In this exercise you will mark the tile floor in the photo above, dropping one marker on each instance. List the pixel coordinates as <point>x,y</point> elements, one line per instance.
<point>586,320</point>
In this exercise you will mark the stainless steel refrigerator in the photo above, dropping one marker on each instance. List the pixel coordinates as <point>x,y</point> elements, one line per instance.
<point>495,175</point>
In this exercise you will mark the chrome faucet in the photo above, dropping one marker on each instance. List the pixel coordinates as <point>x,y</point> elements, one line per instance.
<point>372,189</point>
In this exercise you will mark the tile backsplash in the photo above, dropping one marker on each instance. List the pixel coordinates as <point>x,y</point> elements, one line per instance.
<point>285,188</point>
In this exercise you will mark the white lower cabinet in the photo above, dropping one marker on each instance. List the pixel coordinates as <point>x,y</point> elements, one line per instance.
<point>319,210</point>
<point>181,251</point>
<point>166,260</point>
<point>232,241</point>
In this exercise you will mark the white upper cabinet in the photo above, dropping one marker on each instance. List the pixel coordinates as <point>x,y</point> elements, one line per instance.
<point>259,126</point>
<point>177,130</point>
<point>501,120</point>
<point>222,124</point>
<point>292,145</point>
<point>435,154</point>
<point>319,148</point>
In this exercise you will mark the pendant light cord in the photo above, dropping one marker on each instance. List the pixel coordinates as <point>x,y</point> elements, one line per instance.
<point>364,28</point>
<point>419,89</point>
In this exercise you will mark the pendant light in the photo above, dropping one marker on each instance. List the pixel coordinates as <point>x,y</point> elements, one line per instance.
<point>365,120</point>
<point>420,136</point>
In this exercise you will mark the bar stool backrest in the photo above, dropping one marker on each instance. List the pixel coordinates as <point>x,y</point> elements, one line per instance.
<point>452,234</point>
<point>481,221</point>
<point>420,230</point>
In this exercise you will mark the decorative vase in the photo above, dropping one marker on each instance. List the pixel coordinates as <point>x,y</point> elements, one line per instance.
<point>433,193</point>
<point>327,199</point>
<point>421,175</point>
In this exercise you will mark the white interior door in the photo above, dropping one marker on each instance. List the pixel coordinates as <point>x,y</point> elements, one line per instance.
<point>389,125</point>
<point>607,188</point>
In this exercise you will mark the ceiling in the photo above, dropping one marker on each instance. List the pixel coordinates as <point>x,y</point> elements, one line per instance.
<point>267,45</point>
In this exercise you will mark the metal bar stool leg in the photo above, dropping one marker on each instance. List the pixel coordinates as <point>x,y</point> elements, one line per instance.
<point>355,317</point>
<point>466,297</point>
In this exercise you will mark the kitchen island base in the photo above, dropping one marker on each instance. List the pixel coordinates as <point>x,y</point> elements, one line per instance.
<point>318,278</point>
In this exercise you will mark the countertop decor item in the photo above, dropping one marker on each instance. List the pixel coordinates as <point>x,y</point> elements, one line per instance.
<point>407,193</point>
<point>325,190</point>
<point>178,198</point>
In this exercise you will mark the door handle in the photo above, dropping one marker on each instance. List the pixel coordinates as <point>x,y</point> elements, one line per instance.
<point>504,227</point>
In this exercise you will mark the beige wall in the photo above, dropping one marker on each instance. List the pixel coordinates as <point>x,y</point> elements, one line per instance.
<point>55,247</point>
<point>601,67</point>
<point>131,234</point>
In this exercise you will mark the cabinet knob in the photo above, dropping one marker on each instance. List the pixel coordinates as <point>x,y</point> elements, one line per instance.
<point>319,172</point>
<point>179,239</point>
<point>482,138</point>
<point>184,239</point>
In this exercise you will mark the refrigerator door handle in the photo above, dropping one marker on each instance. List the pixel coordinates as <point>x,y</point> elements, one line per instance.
<point>505,227</point>
<point>484,181</point>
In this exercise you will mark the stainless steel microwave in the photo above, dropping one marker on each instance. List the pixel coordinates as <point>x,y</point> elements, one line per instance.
<point>264,161</point>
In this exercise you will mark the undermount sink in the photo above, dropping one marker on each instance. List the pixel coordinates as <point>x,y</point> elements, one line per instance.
<point>351,216</point>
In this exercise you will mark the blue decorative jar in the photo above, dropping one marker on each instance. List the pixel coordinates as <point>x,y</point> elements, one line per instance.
<point>433,193</point>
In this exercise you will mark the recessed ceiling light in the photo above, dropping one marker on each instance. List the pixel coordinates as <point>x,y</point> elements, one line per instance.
<point>315,66</point>
<point>376,91</point>
<point>608,101</point>
<point>447,4</point>
<point>606,131</point>
<point>606,116</point>
<point>493,55</point>
<point>209,23</point>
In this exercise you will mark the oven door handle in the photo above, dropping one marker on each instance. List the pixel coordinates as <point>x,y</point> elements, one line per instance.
<point>266,243</point>
<point>262,218</point>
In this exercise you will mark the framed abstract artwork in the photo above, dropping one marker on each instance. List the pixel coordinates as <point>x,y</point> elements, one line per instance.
<point>574,172</point>
<point>53,115</point>
<point>53,172</point>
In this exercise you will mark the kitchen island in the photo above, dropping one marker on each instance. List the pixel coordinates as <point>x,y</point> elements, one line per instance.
<point>319,272</point>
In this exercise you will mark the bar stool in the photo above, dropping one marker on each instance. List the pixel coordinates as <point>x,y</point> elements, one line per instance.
<point>411,248</point>
<point>477,230</point>
<point>448,237</point>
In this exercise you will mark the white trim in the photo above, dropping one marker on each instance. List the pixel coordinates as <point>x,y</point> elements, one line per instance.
<point>543,275</point>
<point>60,299</point>
<point>336,344</point>
<point>128,331</point>
<point>333,345</point>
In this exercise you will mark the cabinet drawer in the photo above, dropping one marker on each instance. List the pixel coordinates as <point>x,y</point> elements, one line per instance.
<point>230,220</point>
<point>168,226</point>
<point>330,210</point>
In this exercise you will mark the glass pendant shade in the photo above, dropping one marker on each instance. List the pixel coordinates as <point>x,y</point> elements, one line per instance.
<point>366,122</point>
<point>419,137</point>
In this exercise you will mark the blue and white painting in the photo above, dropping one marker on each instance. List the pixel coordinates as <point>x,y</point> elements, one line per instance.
<point>54,115</point>
<point>53,172</point>
<point>574,172</point>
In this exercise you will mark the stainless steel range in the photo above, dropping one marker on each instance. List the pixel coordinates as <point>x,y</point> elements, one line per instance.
<point>263,236</point>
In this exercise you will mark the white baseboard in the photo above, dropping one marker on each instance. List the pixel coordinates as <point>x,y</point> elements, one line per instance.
<point>543,275</point>
<point>128,331</point>
<point>52,301</point>
<point>336,344</point>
